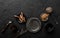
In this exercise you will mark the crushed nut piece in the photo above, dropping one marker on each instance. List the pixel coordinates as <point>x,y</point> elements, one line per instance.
<point>21,17</point>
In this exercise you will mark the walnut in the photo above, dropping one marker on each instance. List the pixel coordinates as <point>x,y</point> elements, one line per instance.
<point>44,16</point>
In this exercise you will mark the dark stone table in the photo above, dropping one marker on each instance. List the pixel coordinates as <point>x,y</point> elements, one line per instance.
<point>8,8</point>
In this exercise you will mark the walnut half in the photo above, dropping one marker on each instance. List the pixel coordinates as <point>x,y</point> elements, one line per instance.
<point>44,16</point>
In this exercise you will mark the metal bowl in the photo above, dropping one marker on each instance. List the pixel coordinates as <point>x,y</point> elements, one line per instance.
<point>49,27</point>
<point>33,24</point>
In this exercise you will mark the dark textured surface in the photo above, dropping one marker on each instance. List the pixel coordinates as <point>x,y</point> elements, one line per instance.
<point>8,8</point>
